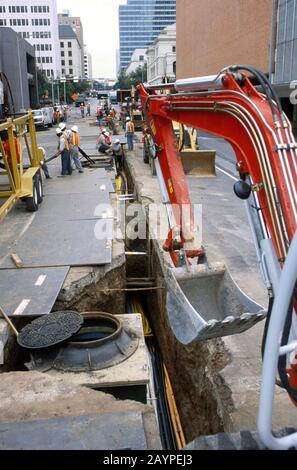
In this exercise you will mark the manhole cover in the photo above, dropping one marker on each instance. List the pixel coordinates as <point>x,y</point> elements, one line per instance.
<point>50,329</point>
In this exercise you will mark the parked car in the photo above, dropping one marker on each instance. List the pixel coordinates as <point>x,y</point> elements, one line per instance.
<point>40,118</point>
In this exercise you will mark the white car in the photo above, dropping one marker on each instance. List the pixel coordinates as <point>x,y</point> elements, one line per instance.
<point>39,118</point>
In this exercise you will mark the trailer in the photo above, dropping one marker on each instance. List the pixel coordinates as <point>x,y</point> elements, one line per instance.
<point>20,164</point>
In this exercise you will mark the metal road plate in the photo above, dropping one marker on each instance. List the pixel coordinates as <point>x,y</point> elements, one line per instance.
<point>84,183</point>
<point>50,330</point>
<point>113,431</point>
<point>74,206</point>
<point>49,243</point>
<point>34,290</point>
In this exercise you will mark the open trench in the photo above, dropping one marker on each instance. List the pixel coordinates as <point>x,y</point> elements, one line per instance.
<point>203,400</point>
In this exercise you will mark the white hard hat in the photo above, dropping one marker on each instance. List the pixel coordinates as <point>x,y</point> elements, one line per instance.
<point>117,141</point>
<point>74,129</point>
<point>128,119</point>
<point>107,133</point>
<point>62,126</point>
<point>103,131</point>
<point>58,131</point>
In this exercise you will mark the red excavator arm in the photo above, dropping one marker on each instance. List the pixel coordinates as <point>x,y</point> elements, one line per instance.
<point>260,134</point>
<point>231,107</point>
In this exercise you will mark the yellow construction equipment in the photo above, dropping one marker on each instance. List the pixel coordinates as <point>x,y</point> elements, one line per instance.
<point>195,161</point>
<point>19,179</point>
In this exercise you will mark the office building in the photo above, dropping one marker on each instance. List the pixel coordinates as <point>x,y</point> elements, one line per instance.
<point>70,52</point>
<point>37,22</point>
<point>140,22</point>
<point>88,65</point>
<point>138,59</point>
<point>65,18</point>
<point>161,57</point>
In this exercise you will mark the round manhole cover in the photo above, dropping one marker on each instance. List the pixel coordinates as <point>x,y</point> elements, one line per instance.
<point>50,330</point>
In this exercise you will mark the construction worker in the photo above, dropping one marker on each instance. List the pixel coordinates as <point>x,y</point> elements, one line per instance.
<point>118,155</point>
<point>89,109</point>
<point>57,115</point>
<point>74,149</point>
<point>104,142</point>
<point>130,131</point>
<point>82,110</point>
<point>64,151</point>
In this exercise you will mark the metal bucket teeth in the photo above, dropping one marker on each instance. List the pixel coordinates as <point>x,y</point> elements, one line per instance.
<point>205,302</point>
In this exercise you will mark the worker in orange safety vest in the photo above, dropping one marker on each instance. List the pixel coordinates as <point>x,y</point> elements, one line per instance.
<point>74,149</point>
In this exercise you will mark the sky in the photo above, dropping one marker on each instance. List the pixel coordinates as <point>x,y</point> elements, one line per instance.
<point>101,31</point>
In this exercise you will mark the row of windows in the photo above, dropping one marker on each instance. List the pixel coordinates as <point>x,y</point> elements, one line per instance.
<point>69,54</point>
<point>146,31</point>
<point>24,9</point>
<point>144,12</point>
<point>62,44</point>
<point>64,72</point>
<point>42,34</point>
<point>19,22</point>
<point>40,9</point>
<point>2,22</point>
<point>44,60</point>
<point>41,22</point>
<point>70,62</point>
<point>43,47</point>
<point>146,19</point>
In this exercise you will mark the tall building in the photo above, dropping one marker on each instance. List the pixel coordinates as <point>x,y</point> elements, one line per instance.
<point>70,52</point>
<point>88,64</point>
<point>36,21</point>
<point>140,22</point>
<point>161,57</point>
<point>75,22</point>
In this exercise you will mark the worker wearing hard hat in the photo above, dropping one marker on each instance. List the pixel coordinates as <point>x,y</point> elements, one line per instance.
<point>130,131</point>
<point>118,155</point>
<point>74,149</point>
<point>64,151</point>
<point>104,142</point>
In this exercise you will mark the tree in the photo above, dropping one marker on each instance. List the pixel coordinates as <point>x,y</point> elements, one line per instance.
<point>44,86</point>
<point>125,81</point>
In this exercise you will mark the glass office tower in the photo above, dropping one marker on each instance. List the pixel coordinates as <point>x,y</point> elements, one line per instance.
<point>140,22</point>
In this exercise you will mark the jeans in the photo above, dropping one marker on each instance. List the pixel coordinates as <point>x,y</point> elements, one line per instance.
<point>103,148</point>
<point>76,160</point>
<point>66,163</point>
<point>130,138</point>
<point>100,122</point>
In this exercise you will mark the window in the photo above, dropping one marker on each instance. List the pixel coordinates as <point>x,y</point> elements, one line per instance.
<point>62,54</point>
<point>2,9</point>
<point>69,53</point>
<point>69,44</point>
<point>2,22</point>
<point>18,9</point>
<point>63,62</point>
<point>63,71</point>
<point>62,44</point>
<point>141,57</point>
<point>19,22</point>
<point>173,48</point>
<point>70,62</point>
<point>70,71</point>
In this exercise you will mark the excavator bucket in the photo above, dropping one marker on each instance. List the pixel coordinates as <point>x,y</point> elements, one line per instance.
<point>199,163</point>
<point>204,302</point>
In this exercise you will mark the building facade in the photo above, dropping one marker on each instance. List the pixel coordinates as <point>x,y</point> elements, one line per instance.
<point>138,59</point>
<point>71,65</point>
<point>20,70</point>
<point>219,33</point>
<point>88,65</point>
<point>161,57</point>
<point>75,22</point>
<point>37,22</point>
<point>140,22</point>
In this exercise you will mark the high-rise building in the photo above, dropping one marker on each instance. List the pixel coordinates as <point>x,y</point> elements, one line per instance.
<point>88,65</point>
<point>36,21</point>
<point>75,22</point>
<point>141,21</point>
<point>70,52</point>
